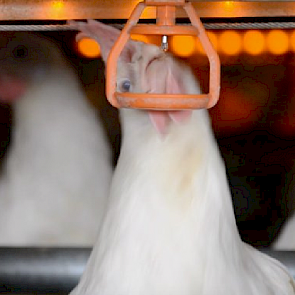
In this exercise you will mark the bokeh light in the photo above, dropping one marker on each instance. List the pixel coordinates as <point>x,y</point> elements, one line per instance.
<point>292,40</point>
<point>55,9</point>
<point>156,39</point>
<point>57,4</point>
<point>277,42</point>
<point>142,38</point>
<point>230,42</point>
<point>213,38</point>
<point>151,39</point>
<point>198,47</point>
<point>228,6</point>
<point>183,45</point>
<point>88,48</point>
<point>254,42</point>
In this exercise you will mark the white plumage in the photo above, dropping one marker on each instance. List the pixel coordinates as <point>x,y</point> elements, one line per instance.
<point>169,228</point>
<point>57,173</point>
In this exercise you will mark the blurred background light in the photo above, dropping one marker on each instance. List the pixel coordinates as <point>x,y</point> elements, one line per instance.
<point>183,45</point>
<point>228,6</point>
<point>254,42</point>
<point>55,9</point>
<point>230,42</point>
<point>57,4</point>
<point>227,42</point>
<point>292,40</point>
<point>142,38</point>
<point>88,48</point>
<point>277,42</point>
<point>213,38</point>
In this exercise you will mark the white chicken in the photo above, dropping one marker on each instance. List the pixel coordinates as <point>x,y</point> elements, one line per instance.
<point>56,176</point>
<point>169,228</point>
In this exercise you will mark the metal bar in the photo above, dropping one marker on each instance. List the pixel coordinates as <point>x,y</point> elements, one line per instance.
<point>41,269</point>
<point>249,26</point>
<point>32,28</point>
<point>164,30</point>
<point>209,26</point>
<point>59,269</point>
<point>109,9</point>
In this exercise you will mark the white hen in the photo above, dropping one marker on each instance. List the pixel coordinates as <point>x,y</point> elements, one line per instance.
<point>57,173</point>
<point>169,227</point>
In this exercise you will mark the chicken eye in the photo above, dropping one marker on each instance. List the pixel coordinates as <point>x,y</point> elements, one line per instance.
<point>125,86</point>
<point>20,52</point>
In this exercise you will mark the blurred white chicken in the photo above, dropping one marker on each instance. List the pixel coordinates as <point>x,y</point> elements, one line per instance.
<point>169,228</point>
<point>286,239</point>
<point>57,173</point>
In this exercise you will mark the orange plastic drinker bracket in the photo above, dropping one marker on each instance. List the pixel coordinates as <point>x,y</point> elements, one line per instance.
<point>165,26</point>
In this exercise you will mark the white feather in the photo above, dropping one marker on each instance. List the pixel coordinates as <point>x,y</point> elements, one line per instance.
<point>57,174</point>
<point>169,228</point>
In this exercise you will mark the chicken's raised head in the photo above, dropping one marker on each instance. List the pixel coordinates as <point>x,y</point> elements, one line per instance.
<point>144,68</point>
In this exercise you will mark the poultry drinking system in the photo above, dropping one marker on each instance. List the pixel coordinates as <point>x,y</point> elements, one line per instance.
<point>23,269</point>
<point>165,25</point>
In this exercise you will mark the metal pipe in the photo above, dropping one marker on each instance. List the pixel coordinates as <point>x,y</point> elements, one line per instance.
<point>59,269</point>
<point>262,25</point>
<point>41,269</point>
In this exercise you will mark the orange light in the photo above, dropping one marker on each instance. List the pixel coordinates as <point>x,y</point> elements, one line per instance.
<point>183,45</point>
<point>156,39</point>
<point>198,47</point>
<point>254,42</point>
<point>56,9</point>
<point>212,37</point>
<point>228,5</point>
<point>152,39</point>
<point>277,42</point>
<point>88,48</point>
<point>142,38</point>
<point>230,42</point>
<point>57,4</point>
<point>292,40</point>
